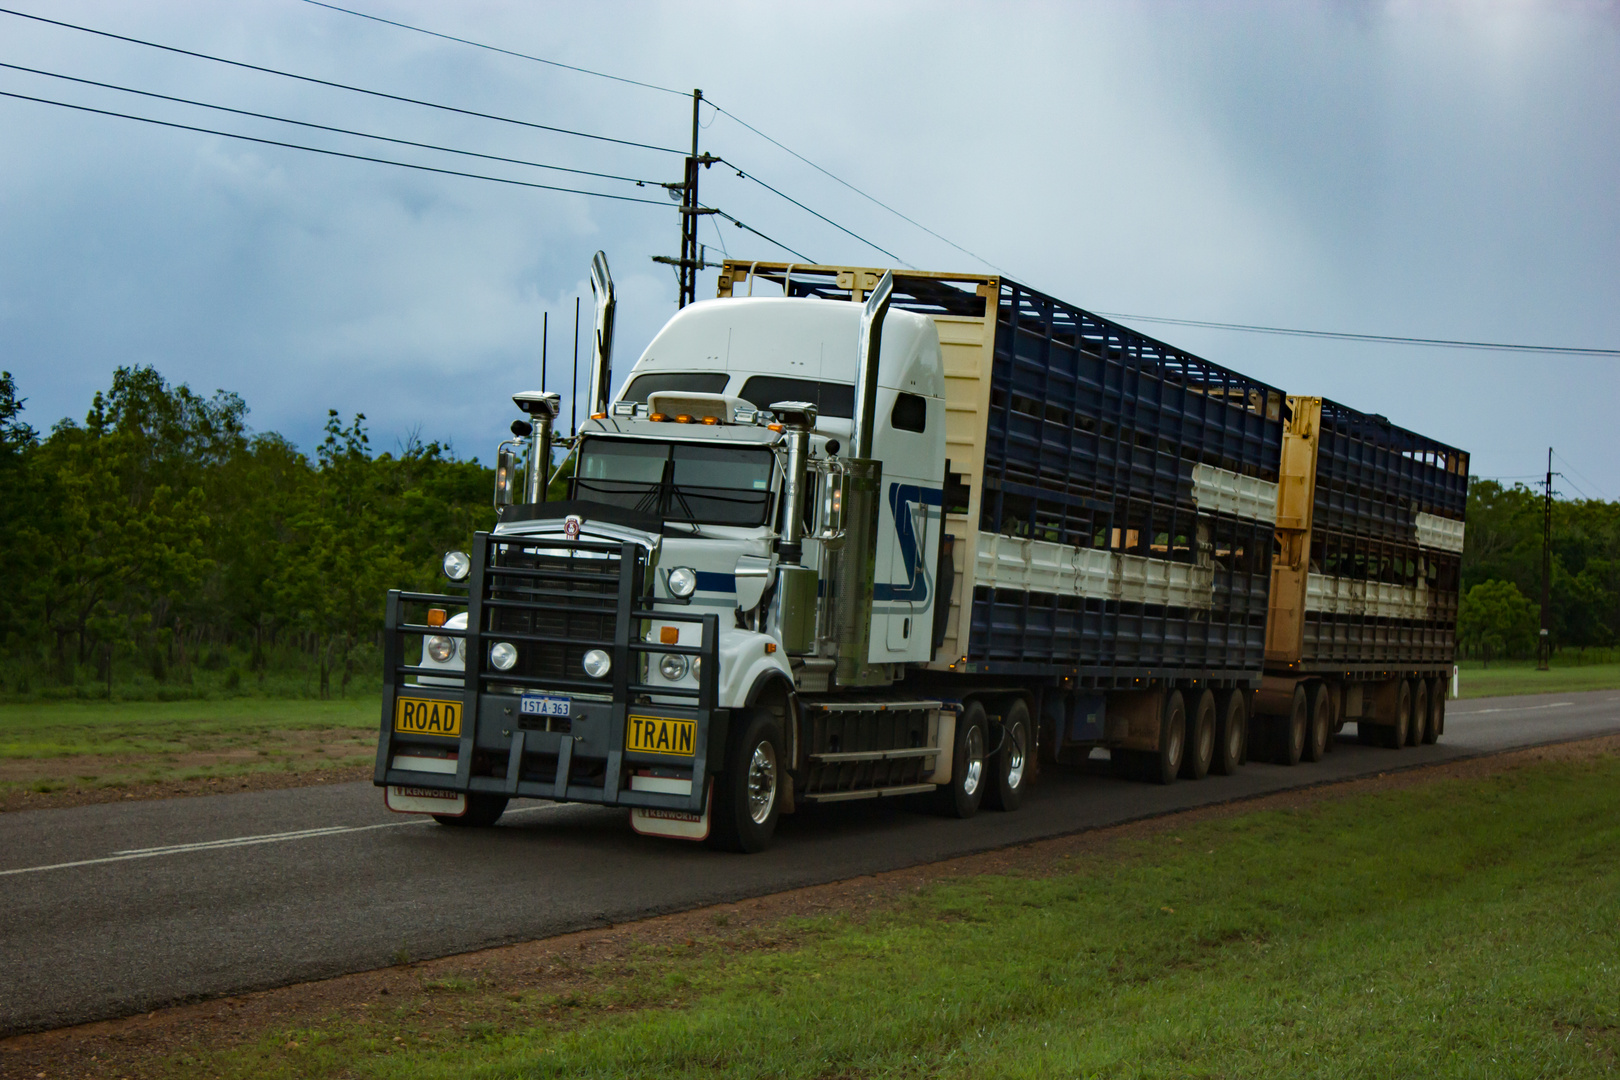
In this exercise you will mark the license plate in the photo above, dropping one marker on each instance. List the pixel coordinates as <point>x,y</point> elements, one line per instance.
<point>423,716</point>
<point>543,705</point>
<point>660,735</point>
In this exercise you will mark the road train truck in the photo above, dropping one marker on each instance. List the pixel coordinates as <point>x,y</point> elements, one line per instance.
<point>884,535</point>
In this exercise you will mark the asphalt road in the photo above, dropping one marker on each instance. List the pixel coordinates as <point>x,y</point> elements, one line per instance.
<point>124,907</point>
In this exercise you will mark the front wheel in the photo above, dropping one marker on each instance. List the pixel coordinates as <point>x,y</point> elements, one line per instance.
<point>961,797</point>
<point>748,795</point>
<point>482,812</point>
<point>1009,766</point>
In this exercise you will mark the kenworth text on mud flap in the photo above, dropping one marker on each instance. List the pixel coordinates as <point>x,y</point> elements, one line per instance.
<point>892,534</point>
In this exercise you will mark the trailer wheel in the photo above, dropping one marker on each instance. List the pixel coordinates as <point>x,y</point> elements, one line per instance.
<point>1231,733</point>
<point>1164,764</point>
<point>961,797</point>
<point>1200,751</point>
<point>748,795</point>
<point>1318,709</point>
<point>482,812</point>
<point>1418,733</point>
<point>1437,711</point>
<point>1289,732</point>
<point>1394,735</point>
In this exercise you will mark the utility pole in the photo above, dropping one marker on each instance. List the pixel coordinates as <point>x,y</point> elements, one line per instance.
<point>691,258</point>
<point>1544,644</point>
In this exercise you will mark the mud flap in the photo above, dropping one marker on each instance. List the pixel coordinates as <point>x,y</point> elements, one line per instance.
<point>671,824</point>
<point>414,800</point>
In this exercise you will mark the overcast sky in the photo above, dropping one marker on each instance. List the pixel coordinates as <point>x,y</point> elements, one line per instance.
<point>1422,169</point>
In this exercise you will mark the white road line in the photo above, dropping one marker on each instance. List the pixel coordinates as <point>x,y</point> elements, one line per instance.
<point>1522,708</point>
<point>245,841</point>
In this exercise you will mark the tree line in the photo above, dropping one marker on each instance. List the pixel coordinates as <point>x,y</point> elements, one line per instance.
<point>1501,572</point>
<point>162,534</point>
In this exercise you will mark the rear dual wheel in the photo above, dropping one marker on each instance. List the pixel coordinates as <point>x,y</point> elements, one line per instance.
<point>1201,737</point>
<point>1009,765</point>
<point>1418,733</point>
<point>969,764</point>
<point>1231,733</point>
<point>1394,735</point>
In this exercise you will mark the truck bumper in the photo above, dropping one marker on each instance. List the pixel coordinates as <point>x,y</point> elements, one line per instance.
<point>536,594</point>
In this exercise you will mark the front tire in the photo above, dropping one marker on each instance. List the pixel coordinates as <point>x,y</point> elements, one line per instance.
<point>961,797</point>
<point>748,795</point>
<point>482,812</point>
<point>1010,766</point>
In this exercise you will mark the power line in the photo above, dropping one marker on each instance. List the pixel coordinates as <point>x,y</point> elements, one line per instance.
<point>1577,472</point>
<point>762,236</point>
<point>339,86</point>
<point>497,48</point>
<point>717,109</point>
<point>334,153</point>
<point>327,127</point>
<point>856,190</point>
<point>1443,343</point>
<point>806,209</point>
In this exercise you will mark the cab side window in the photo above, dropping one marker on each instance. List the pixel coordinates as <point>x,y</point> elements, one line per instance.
<point>910,413</point>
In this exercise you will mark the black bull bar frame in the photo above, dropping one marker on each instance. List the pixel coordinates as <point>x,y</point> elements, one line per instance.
<point>523,582</point>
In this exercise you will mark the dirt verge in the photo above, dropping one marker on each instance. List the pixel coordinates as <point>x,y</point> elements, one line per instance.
<point>134,1046</point>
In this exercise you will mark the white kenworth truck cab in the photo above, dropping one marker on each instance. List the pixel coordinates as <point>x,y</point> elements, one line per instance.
<point>877,535</point>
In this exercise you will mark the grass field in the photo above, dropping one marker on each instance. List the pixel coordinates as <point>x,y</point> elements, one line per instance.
<point>1567,675</point>
<point>45,747</point>
<point>1457,928</point>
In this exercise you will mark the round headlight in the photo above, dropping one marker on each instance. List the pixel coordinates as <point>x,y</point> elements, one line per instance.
<point>457,565</point>
<point>682,582</point>
<point>441,648</point>
<point>503,654</point>
<point>597,664</point>
<point>673,667</point>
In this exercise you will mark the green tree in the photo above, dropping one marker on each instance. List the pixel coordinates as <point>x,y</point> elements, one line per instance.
<point>1495,618</point>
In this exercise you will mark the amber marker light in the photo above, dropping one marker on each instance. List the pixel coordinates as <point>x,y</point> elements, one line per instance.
<point>657,417</point>
<point>684,418</point>
<point>436,616</point>
<point>711,419</point>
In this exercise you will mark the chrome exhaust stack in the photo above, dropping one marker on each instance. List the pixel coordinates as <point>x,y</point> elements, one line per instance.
<point>799,418</point>
<point>866,371</point>
<point>602,354</point>
<point>542,407</point>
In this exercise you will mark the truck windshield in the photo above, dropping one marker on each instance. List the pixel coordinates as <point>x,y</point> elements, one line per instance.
<point>709,485</point>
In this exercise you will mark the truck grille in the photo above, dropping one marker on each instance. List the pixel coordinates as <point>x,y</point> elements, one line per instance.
<point>556,601</point>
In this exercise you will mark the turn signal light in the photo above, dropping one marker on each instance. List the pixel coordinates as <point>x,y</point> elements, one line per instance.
<point>436,616</point>
<point>669,635</point>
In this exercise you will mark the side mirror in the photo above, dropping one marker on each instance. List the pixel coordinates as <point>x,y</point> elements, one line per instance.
<point>505,468</point>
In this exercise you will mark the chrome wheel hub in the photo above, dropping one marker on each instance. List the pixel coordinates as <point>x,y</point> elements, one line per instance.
<point>973,765</point>
<point>762,783</point>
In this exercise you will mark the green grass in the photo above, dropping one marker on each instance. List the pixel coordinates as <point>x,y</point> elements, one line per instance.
<point>48,746</point>
<point>1457,929</point>
<point>1567,675</point>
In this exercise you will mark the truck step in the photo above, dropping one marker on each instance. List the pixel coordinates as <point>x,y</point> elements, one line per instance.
<point>868,793</point>
<point>877,755</point>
